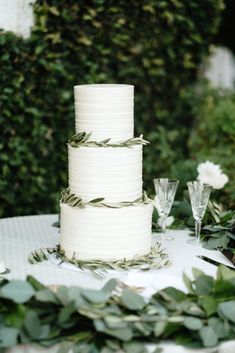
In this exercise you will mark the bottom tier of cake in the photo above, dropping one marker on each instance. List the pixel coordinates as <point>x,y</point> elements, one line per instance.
<point>105,233</point>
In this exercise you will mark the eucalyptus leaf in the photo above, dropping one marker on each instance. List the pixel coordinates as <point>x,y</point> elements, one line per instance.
<point>193,308</point>
<point>65,313</point>
<point>203,285</point>
<point>208,336</point>
<point>62,295</point>
<point>209,304</point>
<point>18,291</point>
<point>46,295</point>
<point>110,286</point>
<point>173,294</point>
<point>8,336</point>
<point>132,300</point>
<point>124,334</point>
<point>94,296</point>
<point>188,283</point>
<point>114,321</point>
<point>32,324</point>
<point>159,327</point>
<point>193,323</point>
<point>227,310</point>
<point>197,273</point>
<point>134,347</point>
<point>225,273</point>
<point>220,327</point>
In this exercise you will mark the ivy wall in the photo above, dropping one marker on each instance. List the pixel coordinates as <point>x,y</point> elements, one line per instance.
<point>156,45</point>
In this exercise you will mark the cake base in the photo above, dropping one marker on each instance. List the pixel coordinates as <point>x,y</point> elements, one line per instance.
<point>104,233</point>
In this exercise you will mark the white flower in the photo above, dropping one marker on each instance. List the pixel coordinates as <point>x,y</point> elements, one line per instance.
<point>2,267</point>
<point>169,221</point>
<point>210,173</point>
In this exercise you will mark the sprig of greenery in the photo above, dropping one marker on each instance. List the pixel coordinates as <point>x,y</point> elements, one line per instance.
<point>221,232</point>
<point>75,201</point>
<point>86,320</point>
<point>154,260</point>
<point>218,231</point>
<point>83,139</point>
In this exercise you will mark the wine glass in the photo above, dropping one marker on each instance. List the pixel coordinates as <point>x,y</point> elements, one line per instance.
<point>165,193</point>
<point>199,194</point>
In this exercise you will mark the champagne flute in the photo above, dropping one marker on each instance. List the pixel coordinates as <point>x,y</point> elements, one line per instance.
<point>165,193</point>
<point>199,194</point>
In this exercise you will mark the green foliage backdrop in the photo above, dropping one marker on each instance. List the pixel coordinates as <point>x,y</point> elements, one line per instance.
<point>215,124</point>
<point>154,44</point>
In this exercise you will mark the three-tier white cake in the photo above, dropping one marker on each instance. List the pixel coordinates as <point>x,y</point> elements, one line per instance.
<point>119,226</point>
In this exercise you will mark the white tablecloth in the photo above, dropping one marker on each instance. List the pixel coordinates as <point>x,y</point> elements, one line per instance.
<point>21,235</point>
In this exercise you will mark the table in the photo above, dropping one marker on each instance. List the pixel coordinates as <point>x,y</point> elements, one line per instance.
<point>21,235</point>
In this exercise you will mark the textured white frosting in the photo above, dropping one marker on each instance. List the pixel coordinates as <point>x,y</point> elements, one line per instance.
<point>106,110</point>
<point>112,173</point>
<point>105,172</point>
<point>105,233</point>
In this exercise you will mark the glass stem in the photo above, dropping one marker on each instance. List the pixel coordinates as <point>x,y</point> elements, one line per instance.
<point>198,230</point>
<point>164,220</point>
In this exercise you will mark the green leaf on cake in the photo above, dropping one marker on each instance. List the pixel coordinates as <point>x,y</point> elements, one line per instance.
<point>99,199</point>
<point>82,139</point>
<point>155,259</point>
<point>76,201</point>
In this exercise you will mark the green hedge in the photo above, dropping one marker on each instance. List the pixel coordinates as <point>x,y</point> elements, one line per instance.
<point>215,124</point>
<point>212,138</point>
<point>154,44</point>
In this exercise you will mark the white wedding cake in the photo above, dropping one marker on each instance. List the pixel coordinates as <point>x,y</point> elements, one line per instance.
<point>105,214</point>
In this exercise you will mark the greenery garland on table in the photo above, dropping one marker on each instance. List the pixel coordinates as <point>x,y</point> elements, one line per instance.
<point>155,259</point>
<point>75,201</point>
<point>218,231</point>
<point>82,140</point>
<point>114,319</point>
<point>220,234</point>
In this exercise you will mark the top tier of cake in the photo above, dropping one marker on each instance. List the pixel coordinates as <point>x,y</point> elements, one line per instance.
<point>106,110</point>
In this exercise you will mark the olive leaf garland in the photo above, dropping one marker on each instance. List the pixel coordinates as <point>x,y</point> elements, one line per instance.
<point>75,201</point>
<point>154,260</point>
<point>83,139</point>
<point>116,318</point>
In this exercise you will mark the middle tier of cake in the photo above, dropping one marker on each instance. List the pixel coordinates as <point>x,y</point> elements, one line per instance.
<point>113,173</point>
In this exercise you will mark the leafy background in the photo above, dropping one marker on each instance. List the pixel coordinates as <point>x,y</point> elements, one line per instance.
<point>155,45</point>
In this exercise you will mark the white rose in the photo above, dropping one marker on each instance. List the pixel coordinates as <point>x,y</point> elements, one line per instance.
<point>210,173</point>
<point>2,267</point>
<point>169,221</point>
